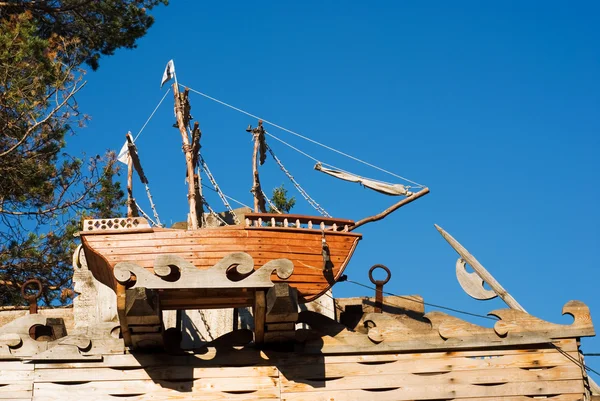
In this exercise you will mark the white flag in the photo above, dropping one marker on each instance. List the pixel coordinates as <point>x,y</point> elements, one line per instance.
<point>169,73</point>
<point>123,156</point>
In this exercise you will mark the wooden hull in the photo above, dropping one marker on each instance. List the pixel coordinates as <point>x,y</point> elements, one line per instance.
<point>204,248</point>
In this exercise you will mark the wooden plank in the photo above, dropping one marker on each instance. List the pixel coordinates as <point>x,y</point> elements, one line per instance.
<point>224,243</point>
<point>570,346</point>
<point>221,232</point>
<point>126,387</point>
<point>361,379</point>
<point>441,365</point>
<point>209,259</point>
<point>16,390</point>
<point>309,249</point>
<point>210,358</point>
<point>434,390</point>
<point>15,365</point>
<point>470,359</point>
<point>11,376</point>
<point>155,373</point>
<point>167,395</point>
<point>400,395</point>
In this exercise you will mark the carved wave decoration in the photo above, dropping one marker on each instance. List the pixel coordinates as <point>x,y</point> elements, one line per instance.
<point>514,321</point>
<point>235,270</point>
<point>438,330</point>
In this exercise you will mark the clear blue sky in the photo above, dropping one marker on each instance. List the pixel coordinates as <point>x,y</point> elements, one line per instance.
<point>493,105</point>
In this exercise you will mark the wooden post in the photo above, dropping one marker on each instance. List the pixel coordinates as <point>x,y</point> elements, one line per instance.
<point>182,114</point>
<point>131,207</point>
<point>196,135</point>
<point>259,311</point>
<point>130,199</point>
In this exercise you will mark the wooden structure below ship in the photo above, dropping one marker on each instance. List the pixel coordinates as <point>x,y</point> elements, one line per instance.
<point>318,247</point>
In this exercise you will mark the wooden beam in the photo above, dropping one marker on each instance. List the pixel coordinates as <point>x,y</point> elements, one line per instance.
<point>390,209</point>
<point>259,312</point>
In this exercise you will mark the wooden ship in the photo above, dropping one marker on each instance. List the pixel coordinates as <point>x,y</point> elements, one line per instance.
<point>130,333</point>
<point>224,266</point>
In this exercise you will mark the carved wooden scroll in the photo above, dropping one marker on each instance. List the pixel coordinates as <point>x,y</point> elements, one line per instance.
<point>40,338</point>
<point>235,270</point>
<point>439,331</point>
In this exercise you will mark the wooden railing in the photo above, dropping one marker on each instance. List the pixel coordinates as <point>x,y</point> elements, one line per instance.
<point>297,221</point>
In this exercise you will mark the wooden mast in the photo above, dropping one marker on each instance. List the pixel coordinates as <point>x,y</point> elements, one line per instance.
<point>182,112</point>
<point>131,207</point>
<point>259,136</point>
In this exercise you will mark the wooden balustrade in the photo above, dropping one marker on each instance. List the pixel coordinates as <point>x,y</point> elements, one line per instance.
<point>297,221</point>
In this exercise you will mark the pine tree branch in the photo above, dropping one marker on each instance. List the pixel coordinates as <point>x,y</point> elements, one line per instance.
<point>35,126</point>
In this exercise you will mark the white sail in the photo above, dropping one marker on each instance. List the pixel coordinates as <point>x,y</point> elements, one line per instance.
<point>384,188</point>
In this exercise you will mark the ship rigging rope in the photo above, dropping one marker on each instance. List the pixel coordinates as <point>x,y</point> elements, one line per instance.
<point>326,164</point>
<point>306,196</point>
<point>151,115</point>
<point>146,216</point>
<point>228,197</point>
<point>270,203</point>
<point>210,209</point>
<point>302,136</point>
<point>158,223</point>
<point>216,186</point>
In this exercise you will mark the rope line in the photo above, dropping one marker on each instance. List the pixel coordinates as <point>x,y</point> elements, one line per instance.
<point>151,115</point>
<point>426,303</point>
<point>228,197</point>
<point>306,196</point>
<point>145,215</point>
<point>218,190</point>
<point>293,147</point>
<point>270,203</point>
<point>211,211</point>
<point>159,224</point>
<point>324,163</point>
<point>304,137</point>
<point>581,365</point>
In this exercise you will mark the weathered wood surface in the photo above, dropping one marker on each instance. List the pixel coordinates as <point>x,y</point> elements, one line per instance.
<point>437,330</point>
<point>472,283</point>
<point>182,113</point>
<point>235,270</point>
<point>475,375</point>
<point>480,270</point>
<point>204,248</point>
